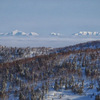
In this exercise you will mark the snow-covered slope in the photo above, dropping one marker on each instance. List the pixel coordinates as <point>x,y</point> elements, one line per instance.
<point>72,76</point>
<point>87,33</point>
<point>81,46</point>
<point>19,33</point>
<point>33,34</point>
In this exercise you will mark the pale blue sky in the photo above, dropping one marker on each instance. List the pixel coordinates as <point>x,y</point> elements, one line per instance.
<point>46,16</point>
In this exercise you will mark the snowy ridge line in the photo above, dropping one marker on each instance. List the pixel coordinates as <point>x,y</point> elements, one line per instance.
<point>9,54</point>
<point>19,33</point>
<point>26,60</point>
<point>80,46</point>
<point>29,53</point>
<point>87,33</point>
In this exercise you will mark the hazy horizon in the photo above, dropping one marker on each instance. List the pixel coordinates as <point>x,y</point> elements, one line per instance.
<point>54,42</point>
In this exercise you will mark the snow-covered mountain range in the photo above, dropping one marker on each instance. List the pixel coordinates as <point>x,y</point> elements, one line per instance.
<point>19,33</point>
<point>88,33</point>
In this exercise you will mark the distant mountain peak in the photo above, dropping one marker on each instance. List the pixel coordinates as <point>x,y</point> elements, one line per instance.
<point>33,34</point>
<point>55,34</point>
<point>16,32</point>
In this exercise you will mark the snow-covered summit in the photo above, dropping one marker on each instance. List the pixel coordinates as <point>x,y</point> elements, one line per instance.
<point>87,33</point>
<point>33,34</point>
<point>19,33</point>
<point>55,34</point>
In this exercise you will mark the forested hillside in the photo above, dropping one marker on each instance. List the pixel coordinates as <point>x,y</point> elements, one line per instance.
<point>73,69</point>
